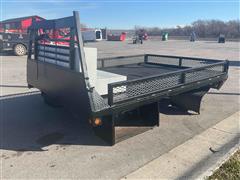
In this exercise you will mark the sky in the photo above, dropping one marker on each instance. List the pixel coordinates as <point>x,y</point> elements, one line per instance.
<point>125,14</point>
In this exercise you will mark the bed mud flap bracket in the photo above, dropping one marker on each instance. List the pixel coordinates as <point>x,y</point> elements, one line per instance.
<point>190,100</point>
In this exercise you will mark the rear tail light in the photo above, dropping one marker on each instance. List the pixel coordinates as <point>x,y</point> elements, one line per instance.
<point>96,122</point>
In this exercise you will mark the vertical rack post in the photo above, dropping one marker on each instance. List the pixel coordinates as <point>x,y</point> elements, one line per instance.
<point>145,58</point>
<point>180,62</point>
<point>72,48</point>
<point>82,58</point>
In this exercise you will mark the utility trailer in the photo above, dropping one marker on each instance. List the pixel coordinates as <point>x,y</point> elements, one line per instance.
<point>117,91</point>
<point>117,37</point>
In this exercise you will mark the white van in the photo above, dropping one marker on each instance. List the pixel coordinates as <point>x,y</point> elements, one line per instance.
<point>92,35</point>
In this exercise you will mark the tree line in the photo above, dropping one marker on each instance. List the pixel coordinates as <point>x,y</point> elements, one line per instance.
<point>202,28</point>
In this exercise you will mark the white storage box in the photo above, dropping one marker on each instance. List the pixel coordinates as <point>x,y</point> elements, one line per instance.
<point>104,78</point>
<point>97,78</point>
<point>91,61</point>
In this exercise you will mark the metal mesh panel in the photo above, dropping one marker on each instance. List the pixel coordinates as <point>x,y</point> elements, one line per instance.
<point>182,61</point>
<point>203,74</point>
<point>117,61</point>
<point>156,59</point>
<point>150,85</point>
<point>98,102</point>
<point>196,62</point>
<point>123,91</point>
<point>163,60</point>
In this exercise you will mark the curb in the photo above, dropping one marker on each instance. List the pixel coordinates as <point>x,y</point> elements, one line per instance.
<point>219,163</point>
<point>196,158</point>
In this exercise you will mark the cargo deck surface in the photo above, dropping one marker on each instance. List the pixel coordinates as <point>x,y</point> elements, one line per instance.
<point>139,70</point>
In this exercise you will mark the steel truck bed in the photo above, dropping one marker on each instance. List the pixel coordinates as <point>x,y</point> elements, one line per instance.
<point>62,73</point>
<point>140,70</point>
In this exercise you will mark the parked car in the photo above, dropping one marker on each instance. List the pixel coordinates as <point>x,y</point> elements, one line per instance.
<point>13,34</point>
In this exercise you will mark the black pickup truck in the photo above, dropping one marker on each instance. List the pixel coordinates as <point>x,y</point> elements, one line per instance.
<point>14,41</point>
<point>13,34</point>
<point>63,75</point>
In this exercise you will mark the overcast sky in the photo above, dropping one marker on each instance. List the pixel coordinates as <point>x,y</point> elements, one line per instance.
<point>125,14</point>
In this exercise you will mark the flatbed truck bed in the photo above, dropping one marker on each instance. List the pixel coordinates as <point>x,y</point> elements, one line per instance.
<point>66,76</point>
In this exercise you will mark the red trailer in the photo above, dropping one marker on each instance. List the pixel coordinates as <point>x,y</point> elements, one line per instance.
<point>18,25</point>
<point>121,37</point>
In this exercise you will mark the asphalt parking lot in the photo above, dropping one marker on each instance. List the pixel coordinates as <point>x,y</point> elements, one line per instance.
<point>38,141</point>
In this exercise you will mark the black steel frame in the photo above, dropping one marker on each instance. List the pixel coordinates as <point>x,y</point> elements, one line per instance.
<point>72,88</point>
<point>182,74</point>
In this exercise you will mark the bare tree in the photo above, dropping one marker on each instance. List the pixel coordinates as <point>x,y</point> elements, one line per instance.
<point>202,28</point>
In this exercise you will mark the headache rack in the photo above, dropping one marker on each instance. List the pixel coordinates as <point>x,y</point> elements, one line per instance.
<point>113,91</point>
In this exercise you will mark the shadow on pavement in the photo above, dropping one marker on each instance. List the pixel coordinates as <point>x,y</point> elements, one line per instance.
<point>166,108</point>
<point>27,124</point>
<point>224,93</point>
<point>173,110</point>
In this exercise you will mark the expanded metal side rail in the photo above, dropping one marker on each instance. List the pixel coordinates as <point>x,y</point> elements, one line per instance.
<point>119,60</point>
<point>166,60</point>
<point>179,61</point>
<point>143,88</point>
